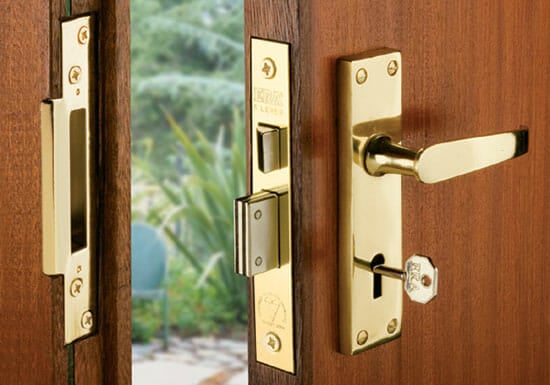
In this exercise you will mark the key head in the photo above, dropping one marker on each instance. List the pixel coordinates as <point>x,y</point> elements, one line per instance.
<point>421,283</point>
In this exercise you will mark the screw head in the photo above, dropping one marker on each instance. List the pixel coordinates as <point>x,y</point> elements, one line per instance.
<point>258,214</point>
<point>258,261</point>
<point>87,320</point>
<point>392,326</point>
<point>361,76</point>
<point>83,35</point>
<point>421,283</point>
<point>269,68</point>
<point>362,337</point>
<point>393,67</point>
<point>76,287</point>
<point>75,74</point>
<point>272,342</point>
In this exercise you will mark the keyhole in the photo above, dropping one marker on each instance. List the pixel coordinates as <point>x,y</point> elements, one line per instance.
<point>377,282</point>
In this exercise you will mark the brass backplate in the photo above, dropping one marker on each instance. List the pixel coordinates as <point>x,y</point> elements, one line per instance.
<point>68,247</point>
<point>369,207</point>
<point>273,292</point>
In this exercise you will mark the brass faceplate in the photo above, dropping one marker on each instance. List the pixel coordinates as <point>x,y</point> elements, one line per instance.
<point>273,291</point>
<point>369,207</point>
<point>66,182</point>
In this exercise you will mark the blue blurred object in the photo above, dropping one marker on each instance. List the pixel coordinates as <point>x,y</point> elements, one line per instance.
<point>149,259</point>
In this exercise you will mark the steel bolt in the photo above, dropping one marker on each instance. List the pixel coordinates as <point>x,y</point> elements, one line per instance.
<point>272,342</point>
<point>75,73</point>
<point>392,326</point>
<point>361,76</point>
<point>76,287</point>
<point>83,35</point>
<point>87,320</point>
<point>393,67</point>
<point>362,337</point>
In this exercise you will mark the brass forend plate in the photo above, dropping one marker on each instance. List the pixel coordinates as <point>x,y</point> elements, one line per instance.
<point>273,292</point>
<point>66,182</point>
<point>369,207</point>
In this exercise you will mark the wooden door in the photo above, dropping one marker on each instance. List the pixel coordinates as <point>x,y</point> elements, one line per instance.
<point>472,68</point>
<point>31,304</point>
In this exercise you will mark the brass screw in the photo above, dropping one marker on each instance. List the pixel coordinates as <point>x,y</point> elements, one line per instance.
<point>258,261</point>
<point>87,320</point>
<point>75,73</point>
<point>269,68</point>
<point>362,337</point>
<point>361,76</point>
<point>393,67</point>
<point>83,35</point>
<point>272,342</point>
<point>392,326</point>
<point>257,214</point>
<point>76,287</point>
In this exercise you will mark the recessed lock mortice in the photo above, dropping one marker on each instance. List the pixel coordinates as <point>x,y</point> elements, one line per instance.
<point>371,163</point>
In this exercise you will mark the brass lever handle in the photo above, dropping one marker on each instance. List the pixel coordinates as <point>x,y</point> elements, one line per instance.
<point>442,161</point>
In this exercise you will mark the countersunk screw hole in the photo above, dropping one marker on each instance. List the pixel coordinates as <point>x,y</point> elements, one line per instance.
<point>393,67</point>
<point>392,326</point>
<point>361,76</point>
<point>362,337</point>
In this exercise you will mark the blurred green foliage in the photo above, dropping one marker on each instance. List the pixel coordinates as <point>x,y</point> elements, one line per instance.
<point>188,155</point>
<point>146,320</point>
<point>187,59</point>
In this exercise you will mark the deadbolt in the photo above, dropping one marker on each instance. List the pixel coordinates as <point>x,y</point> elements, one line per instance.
<point>372,161</point>
<point>261,226</point>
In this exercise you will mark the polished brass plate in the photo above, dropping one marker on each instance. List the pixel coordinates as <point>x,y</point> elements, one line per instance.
<point>273,291</point>
<point>369,207</point>
<point>66,182</point>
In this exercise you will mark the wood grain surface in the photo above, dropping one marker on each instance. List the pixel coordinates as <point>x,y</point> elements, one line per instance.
<point>470,68</point>
<point>31,341</point>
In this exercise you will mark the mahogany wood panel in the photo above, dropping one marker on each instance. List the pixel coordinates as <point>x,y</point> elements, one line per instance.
<point>31,340</point>
<point>470,68</point>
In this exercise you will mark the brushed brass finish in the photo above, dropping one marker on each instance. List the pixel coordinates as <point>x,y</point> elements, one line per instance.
<point>442,161</point>
<point>273,289</point>
<point>68,247</point>
<point>370,207</point>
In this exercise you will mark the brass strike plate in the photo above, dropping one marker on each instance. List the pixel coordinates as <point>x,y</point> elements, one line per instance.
<point>369,207</point>
<point>67,223</point>
<point>273,291</point>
